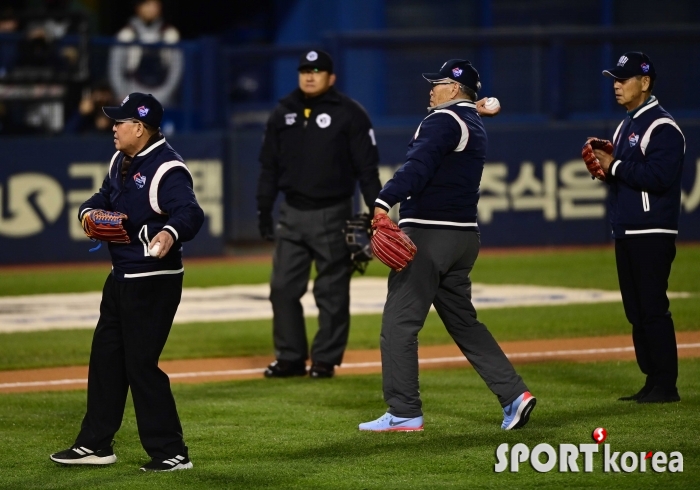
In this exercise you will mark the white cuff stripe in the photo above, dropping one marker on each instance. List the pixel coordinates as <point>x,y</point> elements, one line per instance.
<point>84,211</point>
<point>614,166</point>
<point>379,201</point>
<point>177,237</point>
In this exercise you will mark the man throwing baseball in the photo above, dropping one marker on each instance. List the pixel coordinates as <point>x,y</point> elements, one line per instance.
<point>145,209</point>
<point>438,188</point>
<point>643,166</point>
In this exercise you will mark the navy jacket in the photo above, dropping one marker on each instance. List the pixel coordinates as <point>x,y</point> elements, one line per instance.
<point>438,186</point>
<point>645,180</point>
<point>318,160</point>
<point>156,195</point>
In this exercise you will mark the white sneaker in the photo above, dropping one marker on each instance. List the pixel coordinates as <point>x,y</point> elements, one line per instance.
<point>388,422</point>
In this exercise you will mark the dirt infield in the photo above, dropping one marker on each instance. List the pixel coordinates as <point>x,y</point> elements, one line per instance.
<point>588,349</point>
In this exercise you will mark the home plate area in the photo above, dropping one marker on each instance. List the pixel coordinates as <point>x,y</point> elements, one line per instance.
<point>228,303</point>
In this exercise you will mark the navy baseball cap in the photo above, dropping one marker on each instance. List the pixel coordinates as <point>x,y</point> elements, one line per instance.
<point>142,107</point>
<point>460,71</point>
<point>316,59</point>
<point>630,65</point>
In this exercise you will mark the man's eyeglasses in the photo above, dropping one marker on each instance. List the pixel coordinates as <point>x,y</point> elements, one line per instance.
<point>118,122</point>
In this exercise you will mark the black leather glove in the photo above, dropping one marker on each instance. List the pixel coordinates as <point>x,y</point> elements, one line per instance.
<point>265,224</point>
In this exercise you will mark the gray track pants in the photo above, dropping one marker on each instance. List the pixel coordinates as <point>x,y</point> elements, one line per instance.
<point>438,275</point>
<point>303,237</point>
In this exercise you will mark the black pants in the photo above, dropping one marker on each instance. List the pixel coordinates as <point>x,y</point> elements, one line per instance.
<point>643,268</point>
<point>439,275</point>
<point>135,320</point>
<point>304,237</point>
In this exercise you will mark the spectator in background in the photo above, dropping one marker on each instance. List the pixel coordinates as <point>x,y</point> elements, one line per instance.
<point>89,118</point>
<point>9,24</point>
<point>142,68</point>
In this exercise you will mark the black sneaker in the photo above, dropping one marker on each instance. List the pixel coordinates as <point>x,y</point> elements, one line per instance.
<point>322,370</point>
<point>285,369</point>
<point>172,464</point>
<point>660,395</point>
<point>633,398</point>
<point>84,455</point>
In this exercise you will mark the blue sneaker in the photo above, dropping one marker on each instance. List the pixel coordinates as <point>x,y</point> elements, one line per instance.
<point>389,423</point>
<point>518,412</point>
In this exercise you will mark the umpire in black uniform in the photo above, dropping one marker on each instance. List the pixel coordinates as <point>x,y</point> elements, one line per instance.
<point>318,144</point>
<point>148,181</point>
<point>644,176</point>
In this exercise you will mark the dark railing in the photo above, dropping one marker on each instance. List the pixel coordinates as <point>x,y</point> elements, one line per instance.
<point>540,74</point>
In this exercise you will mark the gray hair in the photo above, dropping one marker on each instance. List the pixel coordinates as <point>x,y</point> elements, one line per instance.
<point>471,95</point>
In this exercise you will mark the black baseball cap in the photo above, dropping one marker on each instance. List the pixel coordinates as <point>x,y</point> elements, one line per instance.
<point>316,59</point>
<point>460,71</point>
<point>630,65</point>
<point>143,107</point>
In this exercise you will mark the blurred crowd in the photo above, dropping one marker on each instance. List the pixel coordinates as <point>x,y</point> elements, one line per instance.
<point>49,84</point>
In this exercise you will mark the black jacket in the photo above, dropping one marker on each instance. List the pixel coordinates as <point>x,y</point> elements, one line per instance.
<point>156,195</point>
<point>645,176</point>
<point>316,161</point>
<point>438,186</point>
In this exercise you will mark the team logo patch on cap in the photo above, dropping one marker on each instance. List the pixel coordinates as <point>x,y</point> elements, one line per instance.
<point>457,71</point>
<point>312,56</point>
<point>140,180</point>
<point>623,59</point>
<point>143,110</point>
<point>633,139</point>
<point>126,99</point>
<point>645,68</point>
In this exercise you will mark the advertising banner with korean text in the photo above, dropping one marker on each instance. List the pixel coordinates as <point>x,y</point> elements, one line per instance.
<point>43,181</point>
<point>536,191</point>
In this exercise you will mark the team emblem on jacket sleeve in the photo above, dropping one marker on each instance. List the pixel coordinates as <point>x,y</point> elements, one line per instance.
<point>290,118</point>
<point>633,138</point>
<point>323,120</point>
<point>140,180</point>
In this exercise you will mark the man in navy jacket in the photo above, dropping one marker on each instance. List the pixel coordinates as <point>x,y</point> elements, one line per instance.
<point>644,175</point>
<point>149,182</point>
<point>438,188</point>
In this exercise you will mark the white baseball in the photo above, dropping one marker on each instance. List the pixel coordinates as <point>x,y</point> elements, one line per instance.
<point>153,252</point>
<point>492,103</point>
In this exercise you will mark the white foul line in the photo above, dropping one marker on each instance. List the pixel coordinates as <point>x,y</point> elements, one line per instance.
<point>352,365</point>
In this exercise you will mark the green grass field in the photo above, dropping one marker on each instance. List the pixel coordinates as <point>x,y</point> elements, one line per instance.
<point>303,433</point>
<point>268,434</point>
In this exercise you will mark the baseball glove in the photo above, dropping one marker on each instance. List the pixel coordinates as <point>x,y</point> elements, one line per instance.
<point>107,226</point>
<point>589,158</point>
<point>391,245</point>
<point>357,231</point>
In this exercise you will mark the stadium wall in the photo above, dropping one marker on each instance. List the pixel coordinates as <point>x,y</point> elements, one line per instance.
<point>535,191</point>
